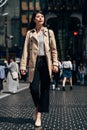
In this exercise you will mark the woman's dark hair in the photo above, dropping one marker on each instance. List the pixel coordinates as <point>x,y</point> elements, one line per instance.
<point>68,58</point>
<point>12,57</point>
<point>81,65</point>
<point>32,23</point>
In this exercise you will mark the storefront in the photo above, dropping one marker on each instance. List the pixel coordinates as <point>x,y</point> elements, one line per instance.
<point>59,18</point>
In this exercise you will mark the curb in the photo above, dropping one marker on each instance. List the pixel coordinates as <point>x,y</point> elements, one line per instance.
<point>7,93</point>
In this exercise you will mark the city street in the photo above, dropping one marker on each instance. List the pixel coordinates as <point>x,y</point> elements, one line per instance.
<point>31,34</point>
<point>68,110</point>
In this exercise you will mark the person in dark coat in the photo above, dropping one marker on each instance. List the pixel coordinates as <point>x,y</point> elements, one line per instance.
<point>74,72</point>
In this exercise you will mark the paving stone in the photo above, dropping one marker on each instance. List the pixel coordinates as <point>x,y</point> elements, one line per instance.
<point>68,111</point>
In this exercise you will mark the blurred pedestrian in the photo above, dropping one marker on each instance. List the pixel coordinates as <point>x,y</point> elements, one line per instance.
<point>57,76</point>
<point>41,52</point>
<point>2,77</point>
<point>12,83</point>
<point>6,70</point>
<point>67,72</point>
<point>81,71</point>
<point>74,72</point>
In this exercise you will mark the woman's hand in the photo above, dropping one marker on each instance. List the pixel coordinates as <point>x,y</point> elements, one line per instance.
<point>23,72</point>
<point>5,61</point>
<point>55,69</point>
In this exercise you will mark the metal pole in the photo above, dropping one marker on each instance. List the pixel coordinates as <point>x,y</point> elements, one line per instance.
<point>6,42</point>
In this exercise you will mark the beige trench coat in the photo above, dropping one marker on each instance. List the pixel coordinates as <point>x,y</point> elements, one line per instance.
<point>30,51</point>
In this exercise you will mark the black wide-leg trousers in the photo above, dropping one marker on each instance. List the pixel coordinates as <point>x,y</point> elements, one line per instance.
<point>39,88</point>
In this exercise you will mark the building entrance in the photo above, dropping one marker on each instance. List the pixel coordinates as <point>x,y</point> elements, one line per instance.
<point>64,29</point>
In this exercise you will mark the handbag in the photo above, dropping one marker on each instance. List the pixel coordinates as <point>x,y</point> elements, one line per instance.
<point>14,75</point>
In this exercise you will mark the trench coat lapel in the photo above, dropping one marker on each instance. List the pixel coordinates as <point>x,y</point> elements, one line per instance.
<point>33,35</point>
<point>45,32</point>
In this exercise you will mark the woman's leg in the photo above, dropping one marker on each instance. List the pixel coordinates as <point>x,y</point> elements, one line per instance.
<point>82,79</point>
<point>34,88</point>
<point>70,81</point>
<point>44,90</point>
<point>43,105</point>
<point>40,90</point>
<point>35,92</point>
<point>1,85</point>
<point>63,83</point>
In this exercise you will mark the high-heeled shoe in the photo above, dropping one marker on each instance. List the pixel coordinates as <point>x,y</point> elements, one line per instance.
<point>38,120</point>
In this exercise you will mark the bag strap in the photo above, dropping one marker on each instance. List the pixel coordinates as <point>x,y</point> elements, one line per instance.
<point>49,37</point>
<point>16,67</point>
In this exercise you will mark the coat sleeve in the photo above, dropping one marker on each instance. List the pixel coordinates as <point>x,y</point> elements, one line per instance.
<point>54,53</point>
<point>25,53</point>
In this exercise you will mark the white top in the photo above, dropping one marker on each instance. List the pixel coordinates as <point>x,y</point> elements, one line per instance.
<point>67,64</point>
<point>41,51</point>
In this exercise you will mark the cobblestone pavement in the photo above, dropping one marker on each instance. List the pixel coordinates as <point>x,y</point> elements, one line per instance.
<point>21,87</point>
<point>68,111</point>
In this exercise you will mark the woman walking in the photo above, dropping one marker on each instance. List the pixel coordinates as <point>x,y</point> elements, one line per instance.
<point>81,71</point>
<point>40,54</point>
<point>12,84</point>
<point>67,72</point>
